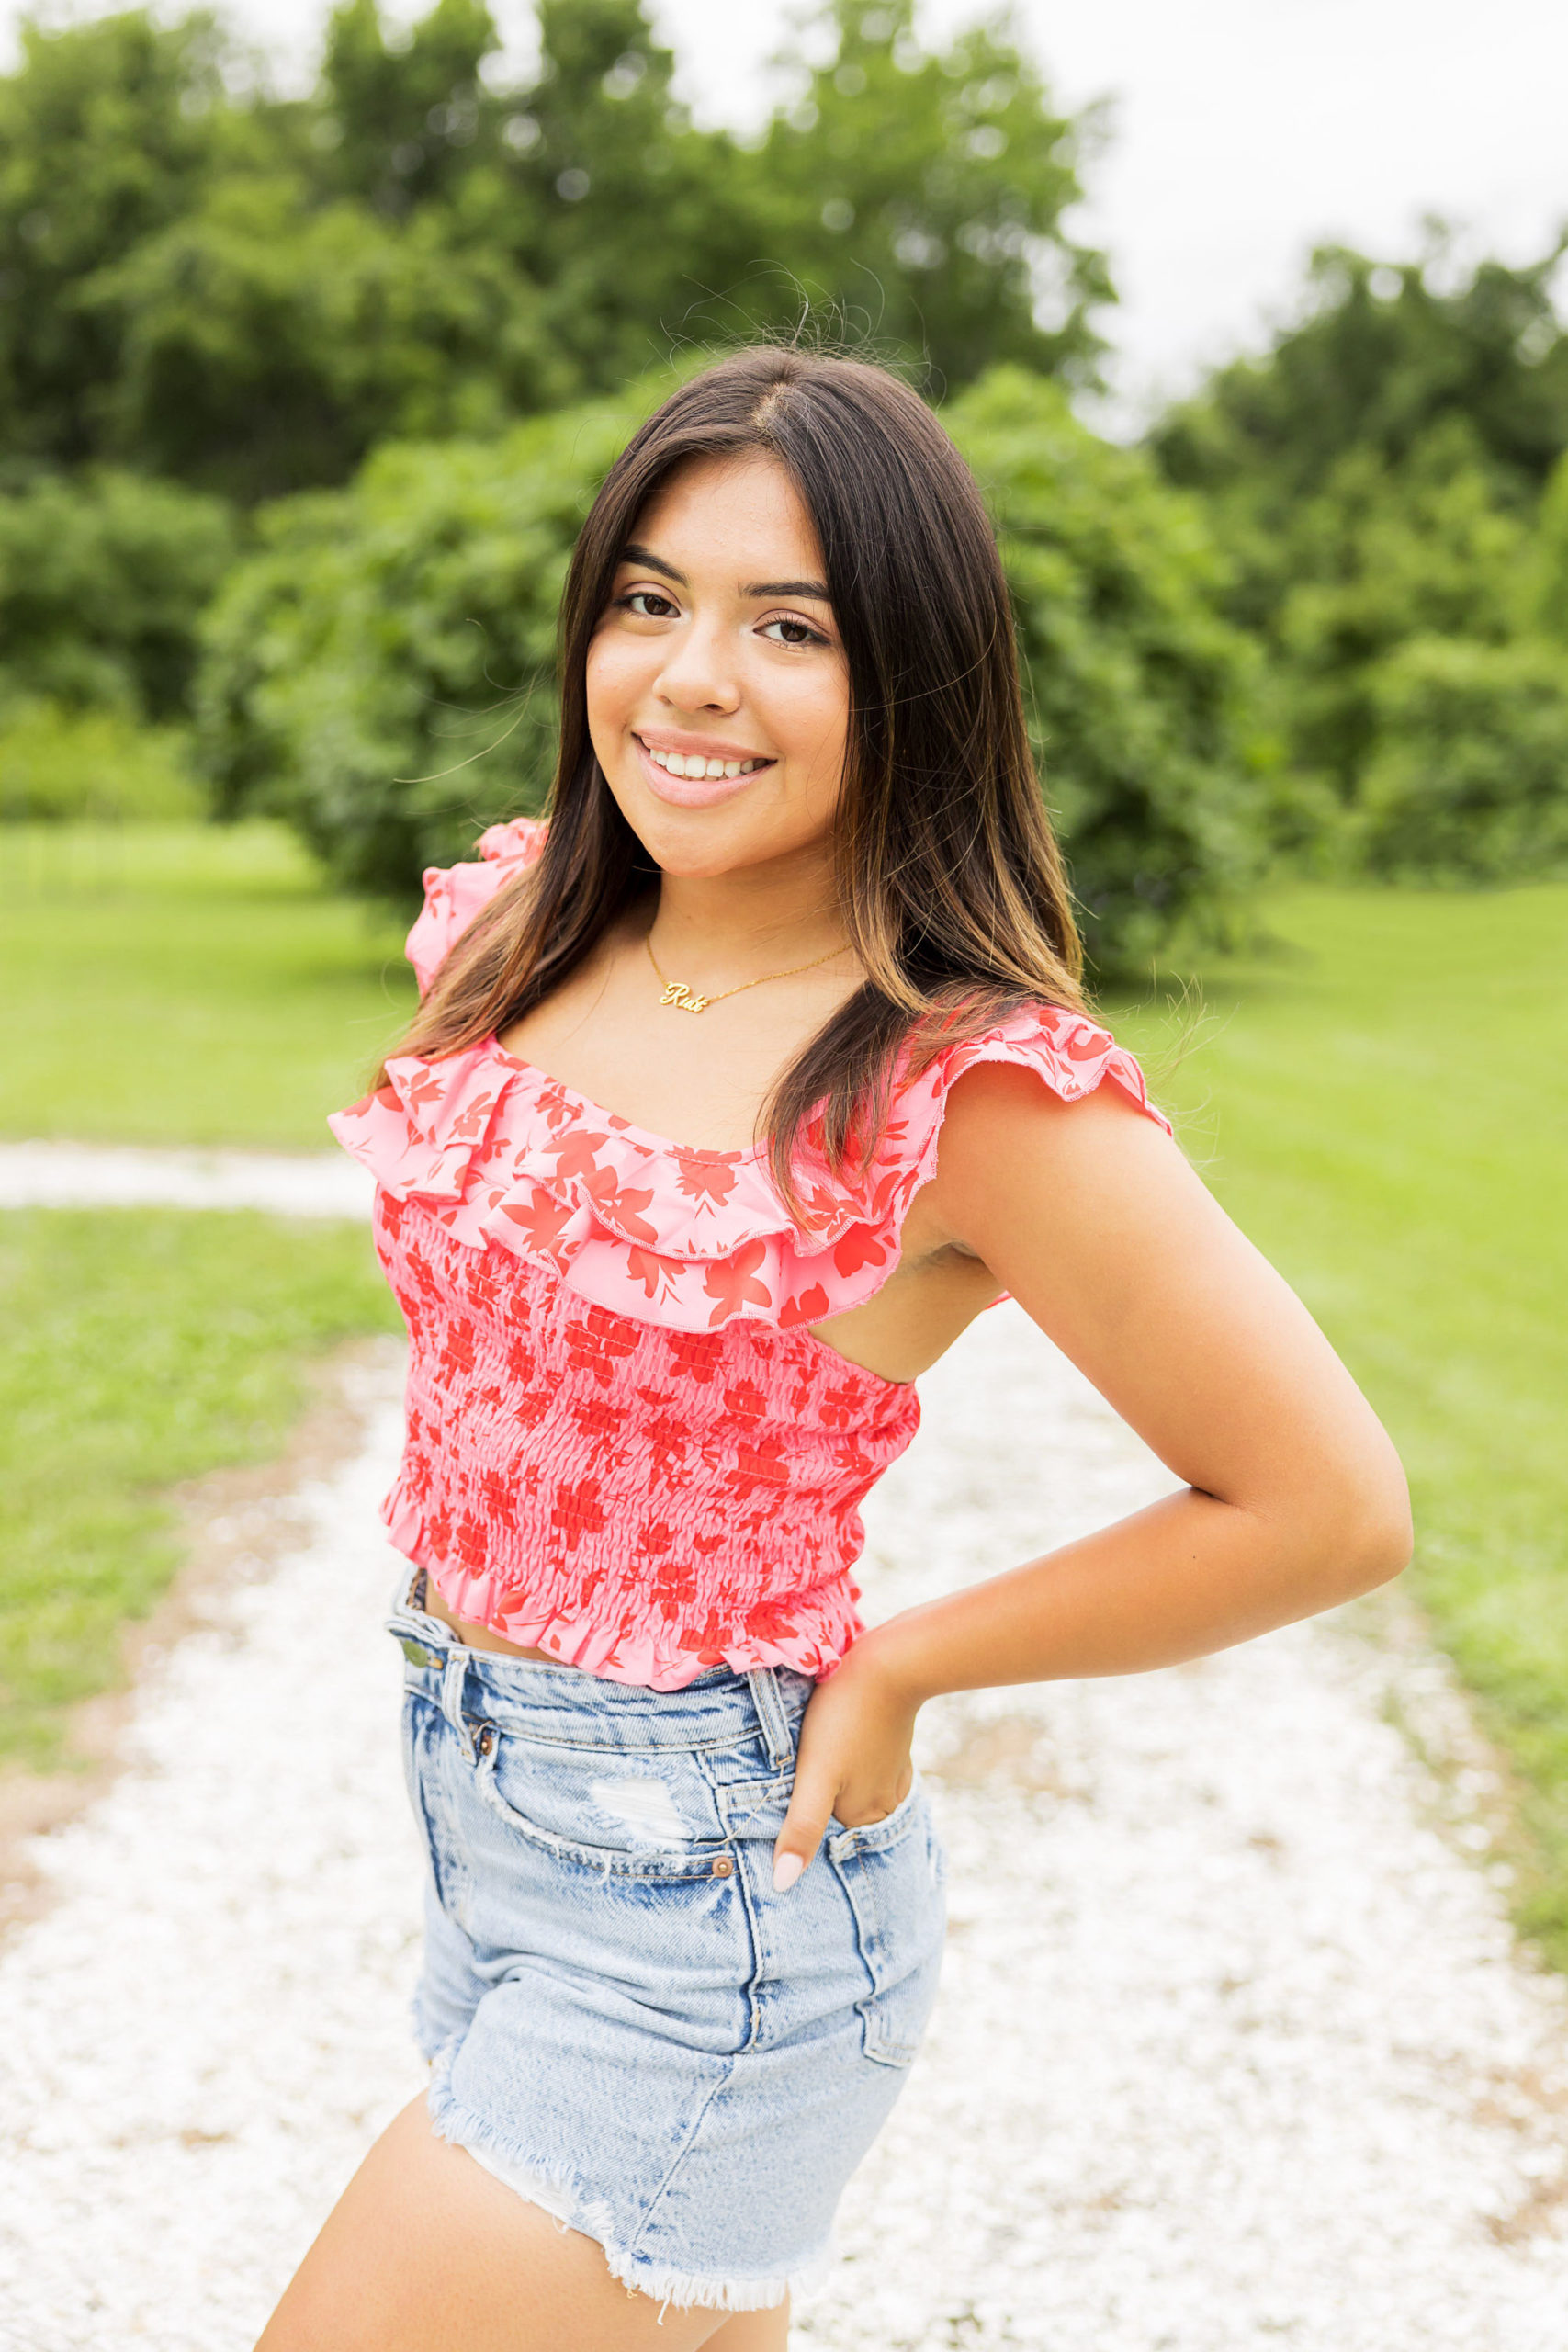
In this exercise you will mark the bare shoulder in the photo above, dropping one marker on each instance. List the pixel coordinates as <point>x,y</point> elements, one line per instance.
<point>1017,1154</point>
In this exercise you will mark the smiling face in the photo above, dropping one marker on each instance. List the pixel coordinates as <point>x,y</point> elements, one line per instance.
<point>717,690</point>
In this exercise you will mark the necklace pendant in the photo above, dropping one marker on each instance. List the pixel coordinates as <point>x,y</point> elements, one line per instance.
<point>677,993</point>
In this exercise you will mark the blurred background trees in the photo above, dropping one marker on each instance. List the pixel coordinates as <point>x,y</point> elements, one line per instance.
<point>1388,484</point>
<point>301,399</point>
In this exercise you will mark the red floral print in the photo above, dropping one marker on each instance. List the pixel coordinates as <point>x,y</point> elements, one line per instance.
<point>811,1306</point>
<point>623,1446</point>
<point>540,1220</point>
<point>705,1176</point>
<point>732,1281</point>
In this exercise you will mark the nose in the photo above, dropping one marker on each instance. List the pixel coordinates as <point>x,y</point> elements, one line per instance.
<point>699,671</point>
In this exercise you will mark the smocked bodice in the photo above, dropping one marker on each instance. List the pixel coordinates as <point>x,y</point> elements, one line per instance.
<point>644,1501</point>
<point>623,1444</point>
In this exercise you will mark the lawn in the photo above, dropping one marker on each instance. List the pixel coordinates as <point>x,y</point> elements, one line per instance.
<point>1382,1103</point>
<point>168,985</point>
<point>138,1347</point>
<point>187,983</point>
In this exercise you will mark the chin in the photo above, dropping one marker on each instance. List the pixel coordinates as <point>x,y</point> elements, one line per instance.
<point>699,846</point>
<point>674,853</point>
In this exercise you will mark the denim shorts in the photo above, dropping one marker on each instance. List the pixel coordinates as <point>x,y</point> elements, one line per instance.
<point>625,2023</point>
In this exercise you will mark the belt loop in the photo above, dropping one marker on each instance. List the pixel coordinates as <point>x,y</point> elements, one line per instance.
<point>453,1676</point>
<point>771,1714</point>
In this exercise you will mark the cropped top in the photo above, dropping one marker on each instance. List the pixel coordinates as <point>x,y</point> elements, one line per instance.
<point>623,1445</point>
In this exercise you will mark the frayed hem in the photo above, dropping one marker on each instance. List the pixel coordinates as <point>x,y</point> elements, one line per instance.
<point>687,2290</point>
<point>560,2187</point>
<point>564,2198</point>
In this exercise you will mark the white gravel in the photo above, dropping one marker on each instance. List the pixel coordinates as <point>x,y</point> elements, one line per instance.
<point>1233,2047</point>
<point>101,1176</point>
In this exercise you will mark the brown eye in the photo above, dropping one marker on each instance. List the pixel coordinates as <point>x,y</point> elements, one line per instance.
<point>798,632</point>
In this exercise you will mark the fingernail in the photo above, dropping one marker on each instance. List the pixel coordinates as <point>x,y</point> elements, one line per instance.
<point>786,1870</point>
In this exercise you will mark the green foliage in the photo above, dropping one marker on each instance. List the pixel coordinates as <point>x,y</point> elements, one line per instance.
<point>138,1348</point>
<point>264,344</point>
<point>397,123</point>
<point>1471,781</point>
<point>924,193</point>
<point>1382,554</point>
<point>1547,588</point>
<point>626,217</point>
<point>108,132</point>
<point>1384,351</point>
<point>1375,480</point>
<point>60,765</point>
<point>103,576</point>
<point>200,280</point>
<point>1141,693</point>
<point>380,674</point>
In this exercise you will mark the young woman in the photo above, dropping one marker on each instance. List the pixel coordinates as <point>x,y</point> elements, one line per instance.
<point>796,906</point>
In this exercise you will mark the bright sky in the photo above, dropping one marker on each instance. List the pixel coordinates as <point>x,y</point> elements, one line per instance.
<point>1242,131</point>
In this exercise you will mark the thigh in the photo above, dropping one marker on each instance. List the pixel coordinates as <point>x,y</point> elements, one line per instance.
<point>424,2252</point>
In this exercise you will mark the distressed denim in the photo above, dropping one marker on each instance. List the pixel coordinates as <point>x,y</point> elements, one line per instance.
<point>625,2023</point>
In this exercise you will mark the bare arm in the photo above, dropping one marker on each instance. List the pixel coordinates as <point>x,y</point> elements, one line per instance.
<point>1294,1498</point>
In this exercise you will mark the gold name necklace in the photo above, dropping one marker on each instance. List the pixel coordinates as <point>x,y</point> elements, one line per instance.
<point>685,1000</point>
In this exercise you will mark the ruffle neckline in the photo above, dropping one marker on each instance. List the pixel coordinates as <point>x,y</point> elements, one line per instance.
<point>501,1152</point>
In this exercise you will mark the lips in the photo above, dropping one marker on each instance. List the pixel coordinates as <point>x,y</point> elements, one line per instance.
<point>703,791</point>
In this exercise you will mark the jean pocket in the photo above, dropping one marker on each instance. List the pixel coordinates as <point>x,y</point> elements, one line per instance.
<point>894,1873</point>
<point>621,1815</point>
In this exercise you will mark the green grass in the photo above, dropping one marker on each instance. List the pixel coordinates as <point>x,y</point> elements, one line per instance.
<point>191,984</point>
<point>138,1347</point>
<point>1382,1104</point>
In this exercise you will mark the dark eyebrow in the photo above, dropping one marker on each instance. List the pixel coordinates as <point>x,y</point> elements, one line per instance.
<point>634,554</point>
<point>812,588</point>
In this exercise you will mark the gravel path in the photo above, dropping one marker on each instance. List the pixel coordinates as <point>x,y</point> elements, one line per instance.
<point>1233,2048</point>
<point>104,1176</point>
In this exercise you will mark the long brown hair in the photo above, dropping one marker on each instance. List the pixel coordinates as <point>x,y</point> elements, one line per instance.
<point>950,885</point>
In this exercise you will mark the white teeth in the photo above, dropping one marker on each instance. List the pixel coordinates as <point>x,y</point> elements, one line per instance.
<point>693,764</point>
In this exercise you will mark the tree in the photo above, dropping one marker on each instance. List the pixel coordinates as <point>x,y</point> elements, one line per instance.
<point>1379,556</point>
<point>1143,696</point>
<point>202,281</point>
<point>925,193</point>
<point>401,125</point>
<point>1374,479</point>
<point>1386,352</point>
<point>266,347</point>
<point>103,578</point>
<point>380,673</point>
<point>109,131</point>
<point>622,213</point>
<point>1470,779</point>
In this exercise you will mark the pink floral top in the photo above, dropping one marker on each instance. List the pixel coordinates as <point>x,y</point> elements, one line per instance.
<point>623,1444</point>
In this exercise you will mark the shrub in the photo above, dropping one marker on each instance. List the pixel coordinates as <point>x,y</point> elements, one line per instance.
<point>103,577</point>
<point>1470,782</point>
<point>1143,697</point>
<point>381,672</point>
<point>59,764</point>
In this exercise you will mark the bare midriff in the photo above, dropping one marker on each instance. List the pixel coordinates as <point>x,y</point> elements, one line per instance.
<point>480,1637</point>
